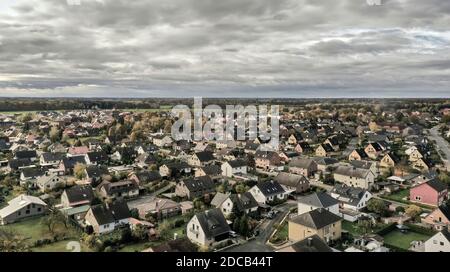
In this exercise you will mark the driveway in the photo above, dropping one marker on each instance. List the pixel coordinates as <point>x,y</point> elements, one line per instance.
<point>441,144</point>
<point>259,243</point>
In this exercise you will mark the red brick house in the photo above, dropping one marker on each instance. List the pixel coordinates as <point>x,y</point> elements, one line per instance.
<point>432,193</point>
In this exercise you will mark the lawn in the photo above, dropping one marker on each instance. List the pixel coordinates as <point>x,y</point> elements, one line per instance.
<point>282,234</point>
<point>33,230</point>
<point>59,247</point>
<point>399,196</point>
<point>403,240</point>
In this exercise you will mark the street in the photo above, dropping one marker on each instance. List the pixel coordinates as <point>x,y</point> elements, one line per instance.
<point>441,144</point>
<point>259,243</point>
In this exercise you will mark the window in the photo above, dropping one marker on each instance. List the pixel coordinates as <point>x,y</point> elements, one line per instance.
<point>33,205</point>
<point>441,243</point>
<point>27,212</point>
<point>19,213</point>
<point>418,198</point>
<point>39,209</point>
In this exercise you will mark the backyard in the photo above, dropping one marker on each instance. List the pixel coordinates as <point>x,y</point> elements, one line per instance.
<point>355,230</point>
<point>403,240</point>
<point>400,196</point>
<point>33,230</point>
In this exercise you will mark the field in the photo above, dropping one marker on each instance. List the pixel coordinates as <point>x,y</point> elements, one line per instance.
<point>403,240</point>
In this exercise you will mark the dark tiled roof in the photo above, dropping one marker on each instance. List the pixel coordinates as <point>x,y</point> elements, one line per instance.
<point>119,186</point>
<point>200,184</point>
<point>33,172</point>
<point>80,193</point>
<point>212,170</point>
<point>205,156</point>
<point>148,176</point>
<point>301,163</point>
<point>26,154</point>
<point>98,156</point>
<point>270,188</point>
<point>213,223</point>
<point>70,162</point>
<point>290,180</point>
<point>108,214</point>
<point>95,171</point>
<point>311,244</point>
<point>237,163</point>
<point>316,219</point>
<point>48,156</point>
<point>16,163</point>
<point>244,201</point>
<point>437,185</point>
<point>445,209</point>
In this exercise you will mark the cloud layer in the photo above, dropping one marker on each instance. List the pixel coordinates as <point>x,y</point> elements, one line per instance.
<point>251,48</point>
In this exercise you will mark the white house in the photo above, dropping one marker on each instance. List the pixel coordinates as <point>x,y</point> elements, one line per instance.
<point>267,192</point>
<point>231,168</point>
<point>106,218</point>
<point>208,227</point>
<point>440,242</point>
<point>351,198</point>
<point>49,182</point>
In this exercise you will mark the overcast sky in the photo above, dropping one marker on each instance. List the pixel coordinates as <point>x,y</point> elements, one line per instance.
<point>225,48</point>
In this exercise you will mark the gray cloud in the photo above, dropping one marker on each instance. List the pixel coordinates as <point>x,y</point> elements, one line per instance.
<point>222,48</point>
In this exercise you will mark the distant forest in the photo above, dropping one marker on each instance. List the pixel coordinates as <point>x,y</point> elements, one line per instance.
<point>44,104</point>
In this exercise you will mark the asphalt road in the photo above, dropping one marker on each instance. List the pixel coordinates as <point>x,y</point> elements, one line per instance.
<point>442,145</point>
<point>266,229</point>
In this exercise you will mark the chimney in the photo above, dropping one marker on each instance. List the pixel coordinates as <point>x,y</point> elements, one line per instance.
<point>309,241</point>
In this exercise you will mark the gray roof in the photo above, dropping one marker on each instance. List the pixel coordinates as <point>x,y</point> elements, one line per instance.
<point>310,244</point>
<point>362,164</point>
<point>351,171</point>
<point>301,163</point>
<point>106,214</point>
<point>219,198</point>
<point>316,219</point>
<point>270,188</point>
<point>291,180</point>
<point>319,200</point>
<point>351,195</point>
<point>213,223</point>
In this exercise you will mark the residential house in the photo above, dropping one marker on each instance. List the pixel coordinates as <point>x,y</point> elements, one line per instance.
<point>48,159</point>
<point>438,219</point>
<point>228,203</point>
<point>106,218</point>
<point>30,174</point>
<point>162,141</point>
<point>213,170</point>
<point>21,207</point>
<point>351,198</point>
<point>303,148</point>
<point>231,168</point>
<point>357,155</point>
<point>268,192</point>
<point>159,208</point>
<point>292,182</point>
<point>77,151</point>
<point>96,173</point>
<point>303,166</point>
<point>118,190</point>
<point>320,200</point>
<point>390,160</point>
<point>124,154</point>
<point>76,196</point>
<point>50,181</point>
<point>68,164</point>
<point>96,158</point>
<point>197,187</point>
<point>175,169</point>
<point>201,159</point>
<point>324,150</point>
<point>374,150</point>
<point>320,222</point>
<point>145,177</point>
<point>354,177</point>
<point>208,227</point>
<point>433,193</point>
<point>267,160</point>
<point>324,164</point>
<point>440,242</point>
<point>368,165</point>
<point>26,154</point>
<point>308,245</point>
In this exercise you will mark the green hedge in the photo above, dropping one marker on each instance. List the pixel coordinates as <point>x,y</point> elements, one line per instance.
<point>421,230</point>
<point>390,227</point>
